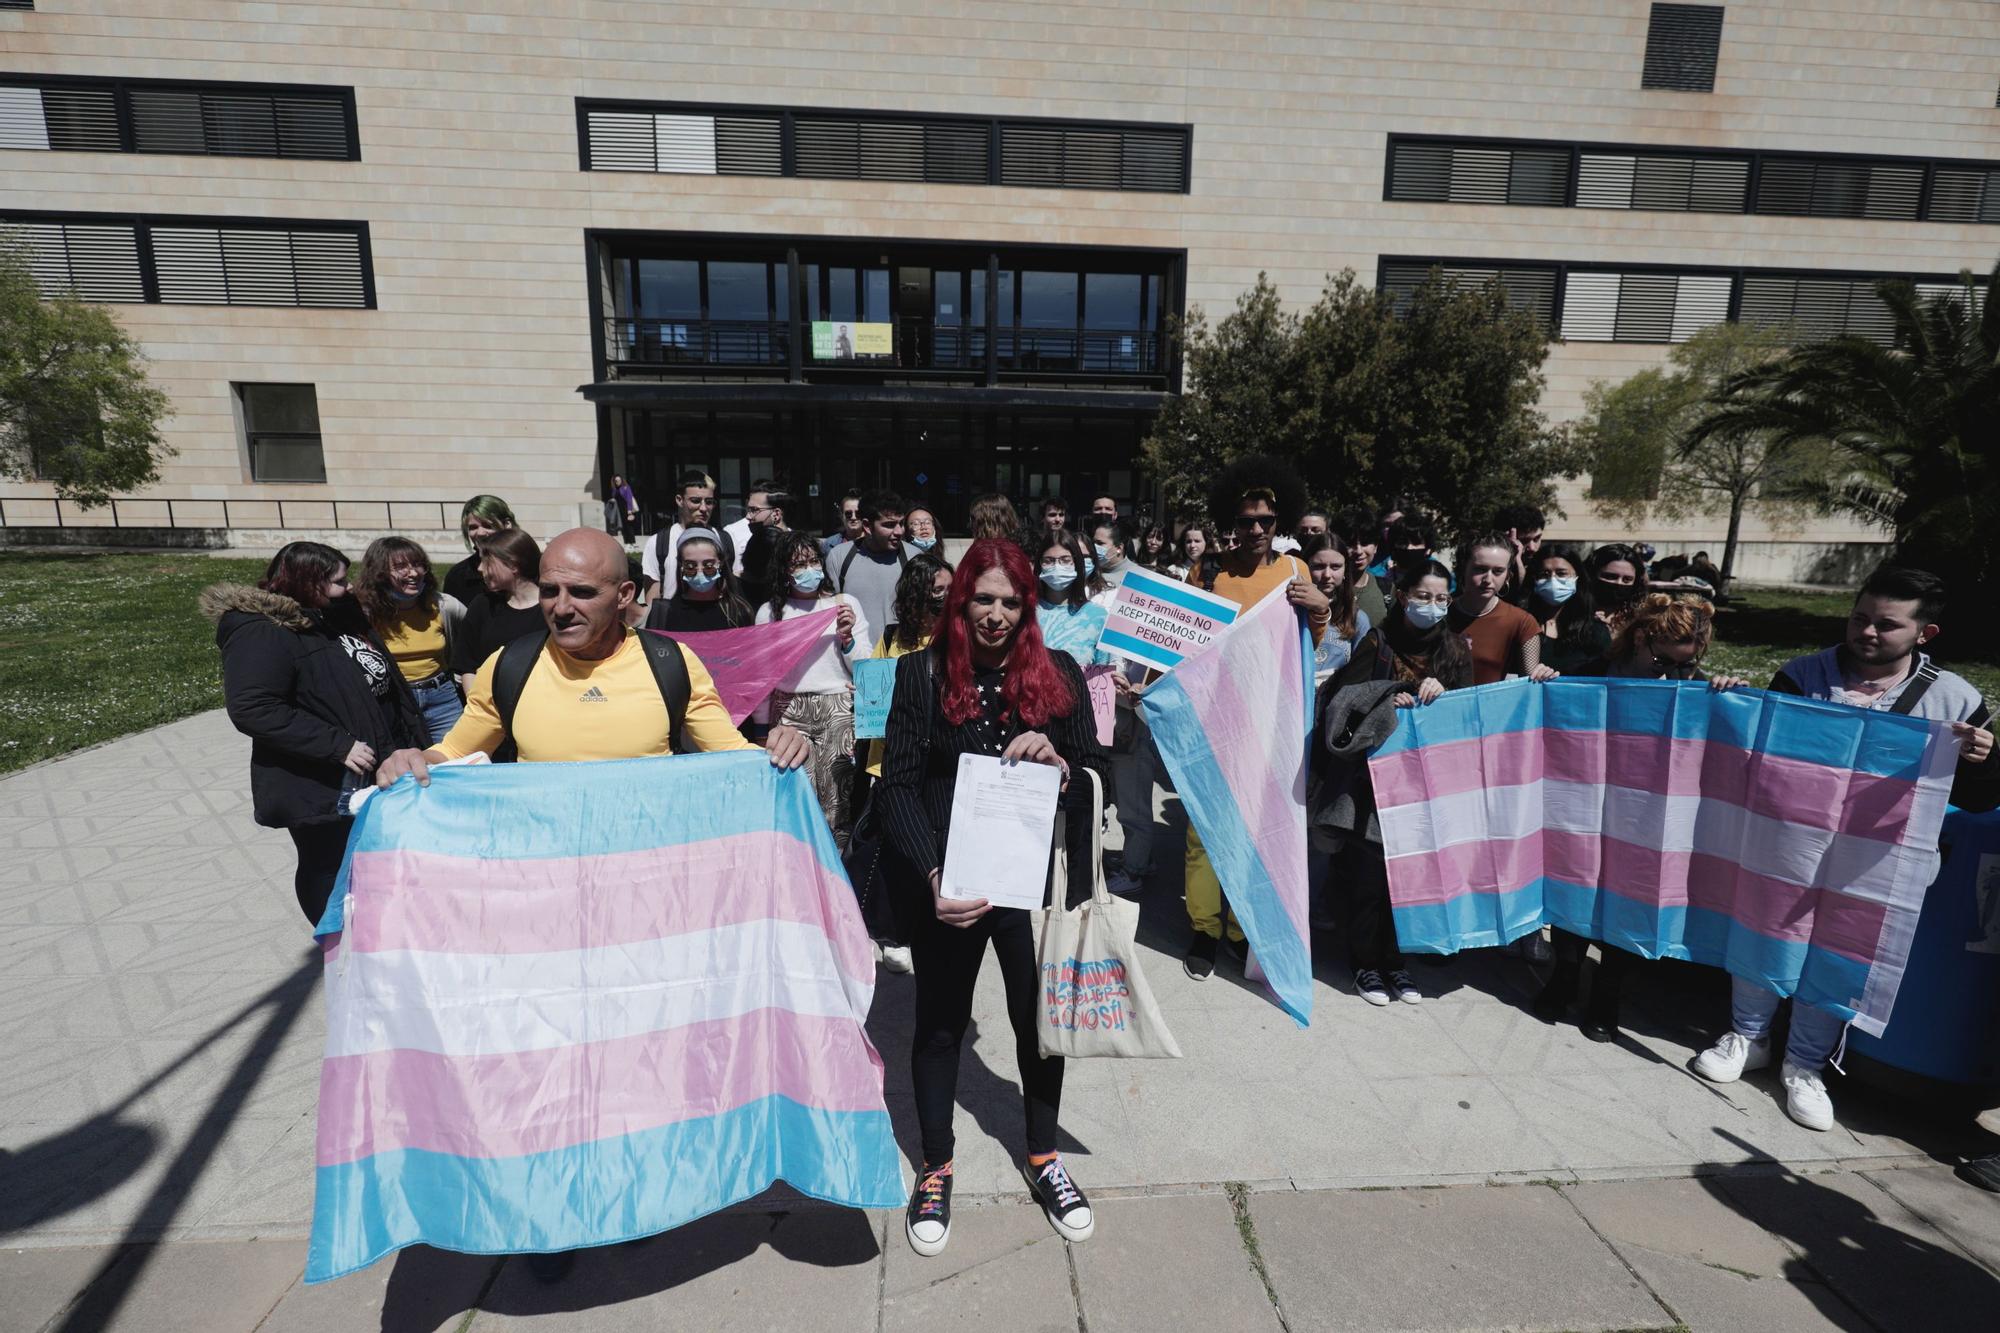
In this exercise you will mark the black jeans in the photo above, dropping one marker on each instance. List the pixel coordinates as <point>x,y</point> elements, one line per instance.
<point>1363,877</point>
<point>320,848</point>
<point>947,960</point>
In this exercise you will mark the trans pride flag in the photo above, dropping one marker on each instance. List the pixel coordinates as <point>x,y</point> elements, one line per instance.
<point>1231,722</point>
<point>747,663</point>
<point>572,1004</point>
<point>1785,840</point>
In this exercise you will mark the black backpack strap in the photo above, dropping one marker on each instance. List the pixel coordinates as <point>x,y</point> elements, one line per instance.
<point>510,677</point>
<point>1906,702</point>
<point>853,549</point>
<point>670,673</point>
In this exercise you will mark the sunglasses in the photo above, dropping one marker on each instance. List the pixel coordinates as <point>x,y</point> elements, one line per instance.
<point>1256,520</point>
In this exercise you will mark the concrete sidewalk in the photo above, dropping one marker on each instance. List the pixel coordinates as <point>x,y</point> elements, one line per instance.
<point>159,1038</point>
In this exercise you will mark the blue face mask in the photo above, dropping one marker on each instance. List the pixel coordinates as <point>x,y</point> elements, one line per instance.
<point>1423,614</point>
<point>1555,591</point>
<point>1088,565</point>
<point>401,598</point>
<point>1058,577</point>
<point>700,582</point>
<point>805,582</point>
<point>923,543</point>
<point>1104,553</point>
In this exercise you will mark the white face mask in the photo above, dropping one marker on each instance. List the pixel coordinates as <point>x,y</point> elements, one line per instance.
<point>1058,577</point>
<point>1555,590</point>
<point>806,581</point>
<point>1423,614</point>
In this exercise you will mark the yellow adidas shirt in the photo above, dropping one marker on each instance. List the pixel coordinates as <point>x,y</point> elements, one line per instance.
<point>575,710</point>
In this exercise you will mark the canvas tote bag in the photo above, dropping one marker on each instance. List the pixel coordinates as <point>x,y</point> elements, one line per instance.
<point>1092,999</point>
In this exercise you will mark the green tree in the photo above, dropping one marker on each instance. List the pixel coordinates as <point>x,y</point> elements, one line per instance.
<point>76,409</point>
<point>1649,462</point>
<point>1911,430</point>
<point>1436,402</point>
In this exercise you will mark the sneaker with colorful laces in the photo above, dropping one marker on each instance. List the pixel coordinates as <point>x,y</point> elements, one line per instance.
<point>928,1221</point>
<point>1068,1211</point>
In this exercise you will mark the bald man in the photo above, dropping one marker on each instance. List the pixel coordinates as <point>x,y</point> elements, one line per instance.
<point>591,693</point>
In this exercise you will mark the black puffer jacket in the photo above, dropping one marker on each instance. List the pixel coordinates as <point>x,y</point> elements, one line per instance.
<point>293,689</point>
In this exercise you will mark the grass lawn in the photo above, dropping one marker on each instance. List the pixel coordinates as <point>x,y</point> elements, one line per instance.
<point>95,646</point>
<point>1763,628</point>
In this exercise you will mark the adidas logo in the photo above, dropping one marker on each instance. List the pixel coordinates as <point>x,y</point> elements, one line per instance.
<point>593,695</point>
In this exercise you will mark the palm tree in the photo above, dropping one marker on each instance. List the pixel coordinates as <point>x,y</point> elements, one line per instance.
<point>1912,428</point>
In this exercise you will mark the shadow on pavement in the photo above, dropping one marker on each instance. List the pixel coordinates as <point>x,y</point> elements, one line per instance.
<point>613,1274</point>
<point>1891,1276</point>
<point>120,1149</point>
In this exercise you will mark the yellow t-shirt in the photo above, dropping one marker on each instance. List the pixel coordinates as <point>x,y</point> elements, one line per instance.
<point>1247,592</point>
<point>609,709</point>
<point>888,646</point>
<point>414,636</point>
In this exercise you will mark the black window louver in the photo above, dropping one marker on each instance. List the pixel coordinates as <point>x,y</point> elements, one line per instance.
<point>1682,44</point>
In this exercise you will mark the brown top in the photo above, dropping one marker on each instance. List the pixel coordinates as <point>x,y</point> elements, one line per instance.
<point>1497,640</point>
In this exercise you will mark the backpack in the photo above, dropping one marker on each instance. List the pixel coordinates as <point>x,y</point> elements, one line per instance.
<point>854,549</point>
<point>517,662</point>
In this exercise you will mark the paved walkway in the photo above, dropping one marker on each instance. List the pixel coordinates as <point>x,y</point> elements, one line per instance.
<point>1452,1165</point>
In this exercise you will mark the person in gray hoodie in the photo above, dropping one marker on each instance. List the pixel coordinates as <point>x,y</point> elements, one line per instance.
<point>1880,664</point>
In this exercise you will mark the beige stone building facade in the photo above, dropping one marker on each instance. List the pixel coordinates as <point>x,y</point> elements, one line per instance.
<point>516,247</point>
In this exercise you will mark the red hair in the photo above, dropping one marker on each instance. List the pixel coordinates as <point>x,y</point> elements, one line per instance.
<point>1035,689</point>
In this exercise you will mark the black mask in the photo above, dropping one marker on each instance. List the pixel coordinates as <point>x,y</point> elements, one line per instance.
<point>1616,592</point>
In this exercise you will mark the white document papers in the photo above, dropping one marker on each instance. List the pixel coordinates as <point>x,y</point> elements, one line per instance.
<point>1003,819</point>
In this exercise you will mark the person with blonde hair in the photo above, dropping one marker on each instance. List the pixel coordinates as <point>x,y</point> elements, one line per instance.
<point>993,516</point>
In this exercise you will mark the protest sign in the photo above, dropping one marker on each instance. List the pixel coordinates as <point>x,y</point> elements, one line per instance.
<point>528,976</point>
<point>1784,840</point>
<point>874,683</point>
<point>1101,682</point>
<point>1157,622</point>
<point>747,663</point>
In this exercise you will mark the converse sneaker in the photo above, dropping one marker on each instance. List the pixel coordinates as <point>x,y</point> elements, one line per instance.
<point>1404,987</point>
<point>1068,1211</point>
<point>1733,1056</point>
<point>896,958</point>
<point>1805,1096</point>
<point>1368,985</point>
<point>1200,960</point>
<point>928,1221</point>
<point>1124,883</point>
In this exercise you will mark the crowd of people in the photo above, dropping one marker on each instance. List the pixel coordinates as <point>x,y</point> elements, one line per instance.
<point>534,653</point>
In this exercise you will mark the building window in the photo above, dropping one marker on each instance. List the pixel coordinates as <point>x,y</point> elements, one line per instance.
<point>1682,42</point>
<point>281,431</point>
<point>698,311</point>
<point>680,138</point>
<point>160,116</point>
<point>1646,307</point>
<point>1422,169</point>
<point>17,4</point>
<point>1530,287</point>
<point>197,261</point>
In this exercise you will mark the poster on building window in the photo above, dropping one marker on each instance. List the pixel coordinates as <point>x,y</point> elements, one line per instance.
<point>844,340</point>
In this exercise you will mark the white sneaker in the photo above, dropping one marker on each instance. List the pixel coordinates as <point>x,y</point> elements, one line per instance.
<point>1124,884</point>
<point>1405,987</point>
<point>1805,1096</point>
<point>1732,1057</point>
<point>1368,985</point>
<point>896,957</point>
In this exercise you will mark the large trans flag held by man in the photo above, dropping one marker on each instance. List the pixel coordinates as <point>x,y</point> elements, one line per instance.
<point>1785,840</point>
<point>571,1004</point>
<point>1230,722</point>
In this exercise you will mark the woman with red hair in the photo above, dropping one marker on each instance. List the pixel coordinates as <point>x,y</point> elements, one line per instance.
<point>987,685</point>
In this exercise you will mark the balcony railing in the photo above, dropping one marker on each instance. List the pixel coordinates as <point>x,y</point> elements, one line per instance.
<point>29,511</point>
<point>919,345</point>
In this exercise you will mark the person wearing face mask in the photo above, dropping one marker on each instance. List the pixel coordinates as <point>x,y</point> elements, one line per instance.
<point>306,679</point>
<point>920,529</point>
<point>987,686</point>
<point>417,622</point>
<point>1561,598</point>
<point>817,697</point>
<point>1111,543</point>
<point>1071,619</point>
<point>706,595</point>
<point>1408,661</point>
<point>1503,637</point>
<point>764,512</point>
<point>1616,574</point>
<point>1663,638</point>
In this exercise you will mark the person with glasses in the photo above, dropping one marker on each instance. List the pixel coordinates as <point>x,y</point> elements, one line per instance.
<point>757,511</point>
<point>816,698</point>
<point>706,596</point>
<point>1071,619</point>
<point>920,529</point>
<point>851,524</point>
<point>694,507</point>
<point>764,513</point>
<point>1257,497</point>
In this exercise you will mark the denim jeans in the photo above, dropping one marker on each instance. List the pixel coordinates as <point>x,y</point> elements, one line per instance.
<point>440,704</point>
<point>1815,1032</point>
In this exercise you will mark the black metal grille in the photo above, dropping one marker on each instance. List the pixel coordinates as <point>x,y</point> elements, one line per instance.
<point>154,116</point>
<point>1682,42</point>
<point>196,261</point>
<point>1471,173</point>
<point>1528,287</point>
<point>938,150</point>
